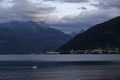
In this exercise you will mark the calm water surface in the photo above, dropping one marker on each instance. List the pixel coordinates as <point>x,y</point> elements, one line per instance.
<point>59,71</point>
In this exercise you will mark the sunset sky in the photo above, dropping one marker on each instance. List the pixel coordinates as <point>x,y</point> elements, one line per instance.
<point>66,15</point>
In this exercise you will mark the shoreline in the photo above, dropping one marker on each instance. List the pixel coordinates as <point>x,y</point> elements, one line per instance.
<point>62,57</point>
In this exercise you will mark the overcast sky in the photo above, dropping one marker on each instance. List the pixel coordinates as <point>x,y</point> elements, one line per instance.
<point>65,15</point>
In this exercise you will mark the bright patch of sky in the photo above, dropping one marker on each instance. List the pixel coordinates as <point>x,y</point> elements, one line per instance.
<point>62,8</point>
<point>6,3</point>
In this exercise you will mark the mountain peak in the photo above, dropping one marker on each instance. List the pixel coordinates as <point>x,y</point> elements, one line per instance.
<point>12,24</point>
<point>43,24</point>
<point>30,21</point>
<point>29,37</point>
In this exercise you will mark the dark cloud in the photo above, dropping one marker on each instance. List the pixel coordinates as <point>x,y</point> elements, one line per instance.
<point>108,4</point>
<point>24,10</point>
<point>1,1</point>
<point>75,1</point>
<point>27,6</point>
<point>83,8</point>
<point>69,1</point>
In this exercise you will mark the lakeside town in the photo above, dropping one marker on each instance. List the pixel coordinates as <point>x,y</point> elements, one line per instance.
<point>72,51</point>
<point>88,51</point>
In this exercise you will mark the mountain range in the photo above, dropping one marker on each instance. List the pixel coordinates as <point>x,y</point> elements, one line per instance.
<point>105,35</point>
<point>29,36</point>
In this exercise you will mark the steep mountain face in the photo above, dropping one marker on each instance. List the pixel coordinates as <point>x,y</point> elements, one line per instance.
<point>25,37</point>
<point>104,36</point>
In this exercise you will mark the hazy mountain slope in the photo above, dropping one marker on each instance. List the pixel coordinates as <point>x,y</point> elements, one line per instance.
<point>25,37</point>
<point>105,36</point>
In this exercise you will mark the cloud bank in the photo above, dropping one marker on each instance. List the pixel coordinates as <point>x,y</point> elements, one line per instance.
<point>24,10</point>
<point>69,1</point>
<point>106,9</point>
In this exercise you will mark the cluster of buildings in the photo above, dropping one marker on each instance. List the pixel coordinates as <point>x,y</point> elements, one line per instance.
<point>87,51</point>
<point>94,51</point>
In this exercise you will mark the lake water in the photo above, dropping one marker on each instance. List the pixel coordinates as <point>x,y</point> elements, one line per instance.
<point>22,70</point>
<point>62,57</point>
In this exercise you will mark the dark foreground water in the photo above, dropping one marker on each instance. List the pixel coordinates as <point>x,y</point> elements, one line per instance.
<point>59,71</point>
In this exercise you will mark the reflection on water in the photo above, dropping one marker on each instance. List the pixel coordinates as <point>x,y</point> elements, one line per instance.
<point>59,71</point>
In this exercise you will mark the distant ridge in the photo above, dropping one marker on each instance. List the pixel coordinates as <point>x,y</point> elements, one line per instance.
<point>29,37</point>
<point>101,36</point>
